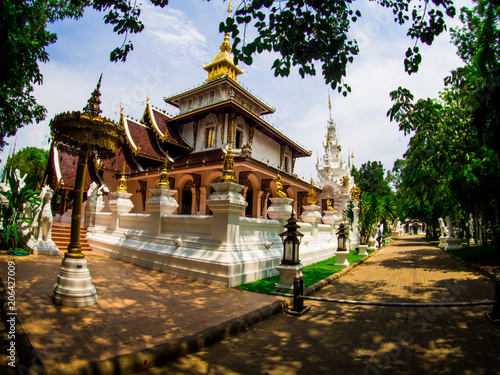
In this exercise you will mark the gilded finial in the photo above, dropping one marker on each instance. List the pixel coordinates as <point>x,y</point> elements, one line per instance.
<point>93,106</point>
<point>164,183</point>
<point>356,193</point>
<point>122,183</point>
<point>279,187</point>
<point>311,194</point>
<point>228,168</point>
<point>329,203</point>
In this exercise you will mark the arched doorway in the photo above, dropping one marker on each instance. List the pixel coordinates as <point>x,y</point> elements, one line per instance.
<point>187,198</point>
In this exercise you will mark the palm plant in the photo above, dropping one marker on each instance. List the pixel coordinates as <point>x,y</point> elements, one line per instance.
<point>376,209</point>
<point>13,210</point>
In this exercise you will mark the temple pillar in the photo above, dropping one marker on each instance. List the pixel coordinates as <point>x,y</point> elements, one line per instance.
<point>312,216</point>
<point>119,203</point>
<point>280,209</point>
<point>226,203</point>
<point>354,238</point>
<point>260,193</point>
<point>161,203</point>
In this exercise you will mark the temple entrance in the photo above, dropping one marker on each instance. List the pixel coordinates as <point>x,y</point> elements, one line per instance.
<point>249,199</point>
<point>187,199</point>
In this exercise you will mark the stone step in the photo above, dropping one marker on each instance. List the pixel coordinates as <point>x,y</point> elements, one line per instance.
<point>61,235</point>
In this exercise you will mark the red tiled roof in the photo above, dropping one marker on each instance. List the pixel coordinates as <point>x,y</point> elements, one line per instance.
<point>122,155</point>
<point>173,134</point>
<point>68,165</point>
<point>144,138</point>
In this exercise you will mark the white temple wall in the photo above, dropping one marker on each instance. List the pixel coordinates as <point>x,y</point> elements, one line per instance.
<point>263,145</point>
<point>186,246</point>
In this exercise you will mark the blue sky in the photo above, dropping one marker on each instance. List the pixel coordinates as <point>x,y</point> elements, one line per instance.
<point>168,58</point>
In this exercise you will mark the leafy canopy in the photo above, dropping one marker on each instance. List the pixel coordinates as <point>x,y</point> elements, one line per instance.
<point>30,161</point>
<point>310,32</point>
<point>304,32</point>
<point>452,164</point>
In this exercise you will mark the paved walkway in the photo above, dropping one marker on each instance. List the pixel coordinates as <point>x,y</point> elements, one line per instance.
<point>349,339</point>
<point>140,309</point>
<point>137,309</point>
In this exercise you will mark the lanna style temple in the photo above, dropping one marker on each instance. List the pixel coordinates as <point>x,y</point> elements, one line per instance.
<point>212,117</point>
<point>203,194</point>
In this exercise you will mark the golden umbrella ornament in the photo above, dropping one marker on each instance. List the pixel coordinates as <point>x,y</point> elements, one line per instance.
<point>80,133</point>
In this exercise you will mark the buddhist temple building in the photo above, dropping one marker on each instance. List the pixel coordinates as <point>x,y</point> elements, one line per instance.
<point>203,194</point>
<point>217,114</point>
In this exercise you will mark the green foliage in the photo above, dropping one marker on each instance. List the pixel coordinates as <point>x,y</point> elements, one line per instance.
<point>30,161</point>
<point>371,178</point>
<point>306,33</point>
<point>13,212</point>
<point>452,165</point>
<point>376,209</point>
<point>477,254</point>
<point>25,38</point>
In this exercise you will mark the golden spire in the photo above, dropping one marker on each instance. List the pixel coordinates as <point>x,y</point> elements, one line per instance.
<point>228,168</point>
<point>222,64</point>
<point>93,106</point>
<point>164,183</point>
<point>122,184</point>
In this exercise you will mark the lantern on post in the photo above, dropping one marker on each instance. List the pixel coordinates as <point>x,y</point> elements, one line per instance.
<point>291,239</point>
<point>341,238</point>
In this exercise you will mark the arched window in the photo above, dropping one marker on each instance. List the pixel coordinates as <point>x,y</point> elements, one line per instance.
<point>210,137</point>
<point>238,138</point>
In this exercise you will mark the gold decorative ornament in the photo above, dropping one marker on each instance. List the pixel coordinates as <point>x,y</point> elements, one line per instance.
<point>345,181</point>
<point>228,174</point>
<point>356,193</point>
<point>164,183</point>
<point>311,194</point>
<point>72,129</point>
<point>222,64</point>
<point>83,134</point>
<point>122,183</point>
<point>329,203</point>
<point>279,187</point>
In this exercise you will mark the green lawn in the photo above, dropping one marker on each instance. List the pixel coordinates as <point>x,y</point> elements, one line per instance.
<point>312,274</point>
<point>473,253</point>
<point>477,254</point>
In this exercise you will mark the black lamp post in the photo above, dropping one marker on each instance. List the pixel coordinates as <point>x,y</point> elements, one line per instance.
<point>341,238</point>
<point>362,235</point>
<point>291,239</point>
